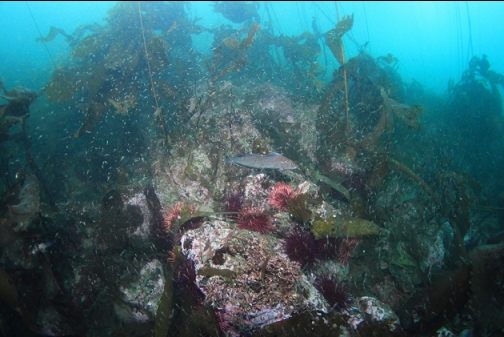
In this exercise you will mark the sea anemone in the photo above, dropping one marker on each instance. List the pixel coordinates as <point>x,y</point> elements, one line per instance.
<point>335,293</point>
<point>279,196</point>
<point>254,220</point>
<point>185,277</point>
<point>300,246</point>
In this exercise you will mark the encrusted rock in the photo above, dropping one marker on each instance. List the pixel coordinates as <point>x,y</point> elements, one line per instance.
<point>145,293</point>
<point>247,277</point>
<point>378,313</point>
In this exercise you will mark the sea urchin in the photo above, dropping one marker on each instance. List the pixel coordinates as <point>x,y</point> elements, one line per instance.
<point>300,246</point>
<point>345,249</point>
<point>254,220</point>
<point>185,277</point>
<point>233,204</point>
<point>279,196</point>
<point>335,293</point>
<point>176,213</point>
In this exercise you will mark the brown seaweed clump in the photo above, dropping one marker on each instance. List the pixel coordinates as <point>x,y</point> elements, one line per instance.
<point>298,207</point>
<point>333,37</point>
<point>113,60</point>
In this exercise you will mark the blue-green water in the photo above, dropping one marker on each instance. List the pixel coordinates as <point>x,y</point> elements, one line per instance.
<point>433,40</point>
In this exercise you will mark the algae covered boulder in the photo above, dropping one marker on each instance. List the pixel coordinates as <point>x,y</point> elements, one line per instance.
<point>351,227</point>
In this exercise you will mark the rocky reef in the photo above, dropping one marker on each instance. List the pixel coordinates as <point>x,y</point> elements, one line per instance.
<point>142,224</point>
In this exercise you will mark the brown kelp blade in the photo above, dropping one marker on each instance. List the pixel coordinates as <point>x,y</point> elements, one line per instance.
<point>333,37</point>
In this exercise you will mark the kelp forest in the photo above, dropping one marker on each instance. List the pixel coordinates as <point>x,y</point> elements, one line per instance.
<point>274,186</point>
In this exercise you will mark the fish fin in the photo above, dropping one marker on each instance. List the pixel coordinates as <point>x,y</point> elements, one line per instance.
<point>274,154</point>
<point>229,160</point>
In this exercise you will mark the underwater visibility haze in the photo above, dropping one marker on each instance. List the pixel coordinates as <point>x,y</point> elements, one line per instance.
<point>251,169</point>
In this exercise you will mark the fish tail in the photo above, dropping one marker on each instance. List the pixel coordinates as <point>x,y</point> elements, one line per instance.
<point>229,160</point>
